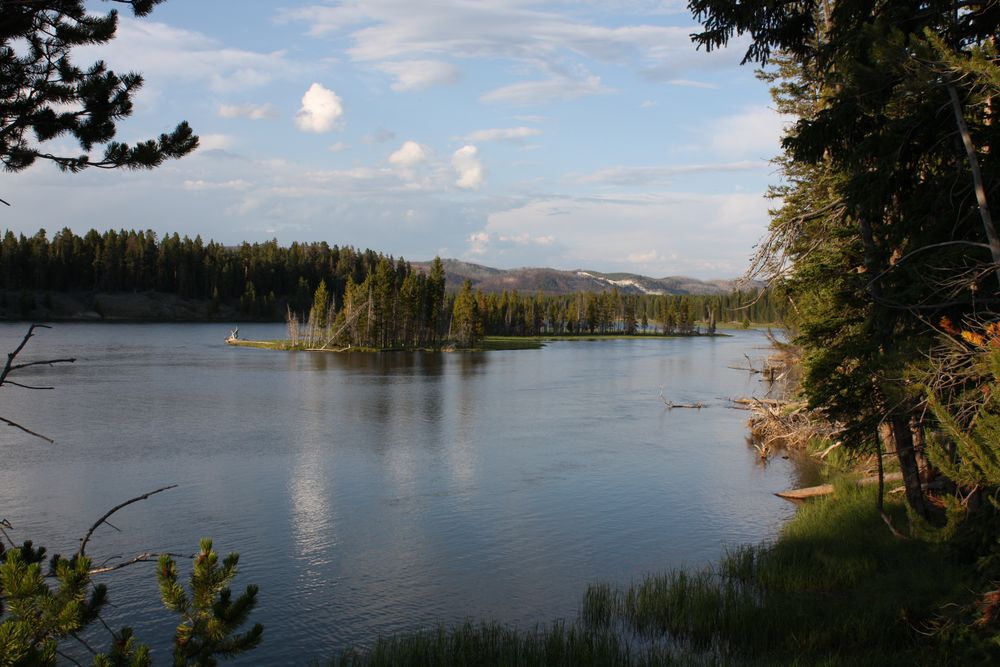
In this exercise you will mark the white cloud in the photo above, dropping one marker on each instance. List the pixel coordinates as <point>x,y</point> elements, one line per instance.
<point>547,40</point>
<point>478,243</point>
<point>409,155</point>
<point>336,147</point>
<point>414,75</point>
<point>642,256</point>
<point>661,175</point>
<point>467,165</point>
<point>199,185</point>
<point>321,110</point>
<point>385,29</point>
<point>215,142</point>
<point>753,132</point>
<point>658,234</point>
<point>407,158</point>
<point>251,111</point>
<point>513,134</point>
<point>163,52</point>
<point>546,90</point>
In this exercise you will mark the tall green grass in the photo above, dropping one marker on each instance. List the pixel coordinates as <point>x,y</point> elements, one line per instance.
<point>835,588</point>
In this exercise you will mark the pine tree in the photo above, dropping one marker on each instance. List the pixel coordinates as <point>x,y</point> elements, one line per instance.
<point>45,97</point>
<point>210,617</point>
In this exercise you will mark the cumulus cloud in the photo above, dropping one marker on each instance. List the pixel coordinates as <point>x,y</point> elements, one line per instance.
<point>469,168</point>
<point>251,111</point>
<point>336,147</point>
<point>407,158</point>
<point>512,134</point>
<point>322,110</point>
<point>419,74</point>
<point>409,155</point>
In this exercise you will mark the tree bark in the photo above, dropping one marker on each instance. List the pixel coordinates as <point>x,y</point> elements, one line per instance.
<point>902,439</point>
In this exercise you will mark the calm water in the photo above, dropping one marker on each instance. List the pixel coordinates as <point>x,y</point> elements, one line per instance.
<point>373,494</point>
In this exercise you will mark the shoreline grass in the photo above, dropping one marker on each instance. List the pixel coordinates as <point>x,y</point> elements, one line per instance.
<point>490,343</point>
<point>835,588</point>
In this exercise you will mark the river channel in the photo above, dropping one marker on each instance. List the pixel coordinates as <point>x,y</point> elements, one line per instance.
<point>373,494</point>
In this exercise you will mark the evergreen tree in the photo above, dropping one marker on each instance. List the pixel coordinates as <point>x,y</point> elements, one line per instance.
<point>465,324</point>
<point>210,617</point>
<point>871,191</point>
<point>45,97</point>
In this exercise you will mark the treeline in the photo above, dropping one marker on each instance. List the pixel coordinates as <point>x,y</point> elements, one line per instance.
<point>513,314</point>
<point>402,306</point>
<point>262,277</point>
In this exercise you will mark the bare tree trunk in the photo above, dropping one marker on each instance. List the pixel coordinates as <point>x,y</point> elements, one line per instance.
<point>977,180</point>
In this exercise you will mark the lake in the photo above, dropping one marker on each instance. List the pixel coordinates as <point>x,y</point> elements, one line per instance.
<point>380,493</point>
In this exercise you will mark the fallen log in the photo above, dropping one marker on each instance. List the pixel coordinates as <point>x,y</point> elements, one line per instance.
<point>763,401</point>
<point>827,489</point>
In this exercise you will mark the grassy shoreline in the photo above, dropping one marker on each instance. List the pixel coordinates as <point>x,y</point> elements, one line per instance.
<point>835,588</point>
<point>489,343</point>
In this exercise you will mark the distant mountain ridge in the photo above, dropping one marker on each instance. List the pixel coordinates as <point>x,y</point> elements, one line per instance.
<point>555,281</point>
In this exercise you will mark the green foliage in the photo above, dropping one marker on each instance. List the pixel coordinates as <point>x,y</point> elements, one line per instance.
<point>320,311</point>
<point>835,588</point>
<point>466,326</point>
<point>969,454</point>
<point>35,616</point>
<point>125,652</point>
<point>210,617</point>
<point>495,645</point>
<point>45,97</point>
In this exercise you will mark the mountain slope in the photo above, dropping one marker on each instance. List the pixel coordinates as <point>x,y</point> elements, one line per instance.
<point>554,281</point>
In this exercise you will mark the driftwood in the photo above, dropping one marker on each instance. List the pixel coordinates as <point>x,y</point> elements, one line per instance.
<point>827,489</point>
<point>762,401</point>
<point>671,405</point>
<point>145,557</point>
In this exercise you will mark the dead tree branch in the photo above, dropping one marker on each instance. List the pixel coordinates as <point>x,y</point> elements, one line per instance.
<point>11,367</point>
<point>26,430</point>
<point>103,519</point>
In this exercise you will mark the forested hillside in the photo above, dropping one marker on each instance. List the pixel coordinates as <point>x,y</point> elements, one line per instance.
<point>408,304</point>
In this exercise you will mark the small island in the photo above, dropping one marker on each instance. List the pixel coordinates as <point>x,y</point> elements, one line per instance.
<point>416,314</point>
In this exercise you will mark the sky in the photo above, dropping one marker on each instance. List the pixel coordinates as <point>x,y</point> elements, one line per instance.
<point>576,134</point>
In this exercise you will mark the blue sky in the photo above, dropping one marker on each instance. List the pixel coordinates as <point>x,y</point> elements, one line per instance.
<point>504,132</point>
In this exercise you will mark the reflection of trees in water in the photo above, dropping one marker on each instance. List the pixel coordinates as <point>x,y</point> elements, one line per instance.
<point>473,363</point>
